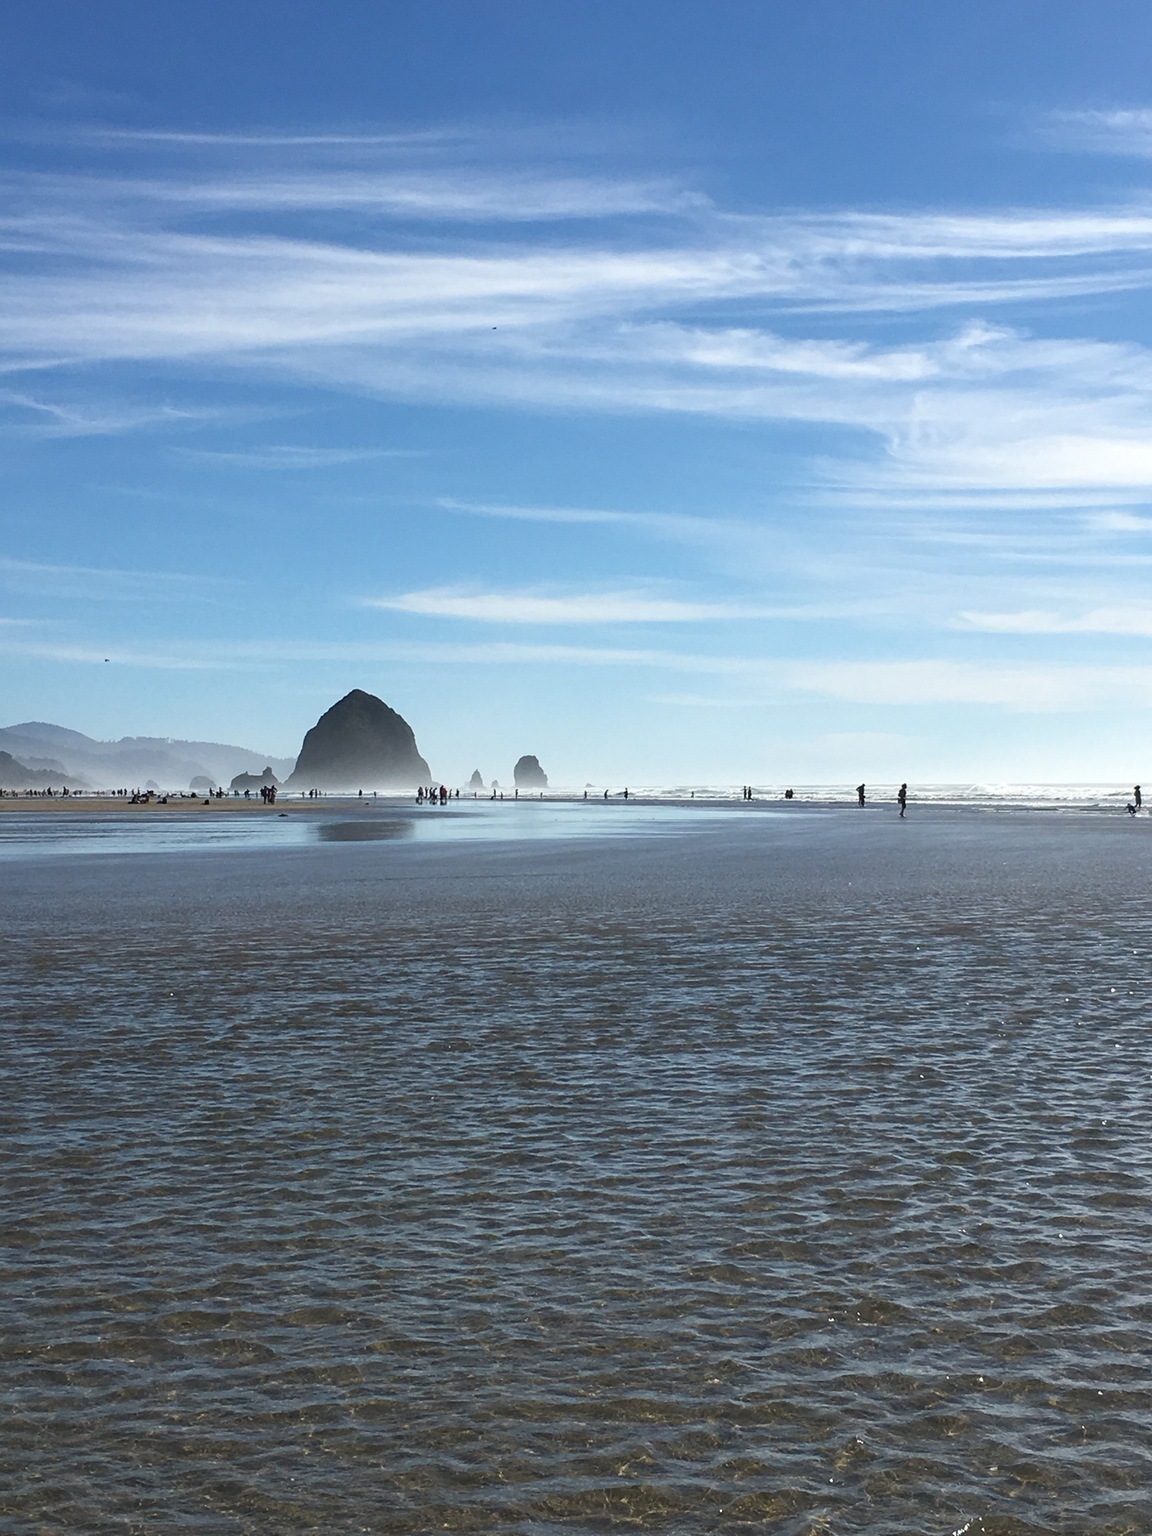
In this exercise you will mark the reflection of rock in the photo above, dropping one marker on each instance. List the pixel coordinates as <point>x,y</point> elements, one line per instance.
<point>363,831</point>
<point>251,780</point>
<point>528,774</point>
<point>475,782</point>
<point>359,744</point>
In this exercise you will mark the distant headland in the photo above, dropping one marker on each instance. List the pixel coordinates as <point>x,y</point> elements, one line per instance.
<point>38,755</point>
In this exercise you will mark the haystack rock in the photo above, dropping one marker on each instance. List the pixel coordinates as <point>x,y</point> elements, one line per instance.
<point>475,782</point>
<point>528,774</point>
<point>359,744</point>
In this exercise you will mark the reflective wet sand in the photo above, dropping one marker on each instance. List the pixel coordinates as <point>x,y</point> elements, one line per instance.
<point>784,1175</point>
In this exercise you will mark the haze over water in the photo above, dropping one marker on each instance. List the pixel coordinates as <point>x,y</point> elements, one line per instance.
<point>773,1172</point>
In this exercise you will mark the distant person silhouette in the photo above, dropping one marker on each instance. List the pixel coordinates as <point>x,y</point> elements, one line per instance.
<point>1137,797</point>
<point>902,799</point>
<point>860,793</point>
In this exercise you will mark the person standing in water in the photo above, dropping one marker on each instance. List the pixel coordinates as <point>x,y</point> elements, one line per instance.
<point>902,799</point>
<point>1136,796</point>
<point>860,794</point>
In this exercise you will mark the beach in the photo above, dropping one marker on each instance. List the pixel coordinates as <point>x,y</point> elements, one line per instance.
<point>711,1171</point>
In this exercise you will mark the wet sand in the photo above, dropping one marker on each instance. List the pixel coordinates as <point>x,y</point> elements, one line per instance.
<point>787,1173</point>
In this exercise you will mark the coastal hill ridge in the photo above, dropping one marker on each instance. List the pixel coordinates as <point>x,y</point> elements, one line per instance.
<point>69,757</point>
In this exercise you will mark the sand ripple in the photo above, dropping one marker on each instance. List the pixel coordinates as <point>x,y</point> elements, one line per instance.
<point>738,1212</point>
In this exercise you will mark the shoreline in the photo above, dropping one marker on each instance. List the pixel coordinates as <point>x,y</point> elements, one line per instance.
<point>1064,800</point>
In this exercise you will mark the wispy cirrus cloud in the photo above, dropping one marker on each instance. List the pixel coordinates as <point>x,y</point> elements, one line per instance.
<point>619,607</point>
<point>292,456</point>
<point>1105,131</point>
<point>473,195</point>
<point>136,657</point>
<point>1134,620</point>
<point>681,527</point>
<point>301,257</point>
<point>104,584</point>
<point>1037,687</point>
<point>32,416</point>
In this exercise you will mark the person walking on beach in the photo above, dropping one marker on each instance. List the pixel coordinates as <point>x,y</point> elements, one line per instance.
<point>902,799</point>
<point>860,793</point>
<point>1136,797</point>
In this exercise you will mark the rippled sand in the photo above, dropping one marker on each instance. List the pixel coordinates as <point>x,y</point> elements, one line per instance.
<point>786,1175</point>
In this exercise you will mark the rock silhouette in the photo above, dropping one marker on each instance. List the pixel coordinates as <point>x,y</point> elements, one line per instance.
<point>359,744</point>
<point>255,780</point>
<point>528,774</point>
<point>475,782</point>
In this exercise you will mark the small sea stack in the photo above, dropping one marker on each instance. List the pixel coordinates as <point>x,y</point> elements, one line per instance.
<point>528,774</point>
<point>244,781</point>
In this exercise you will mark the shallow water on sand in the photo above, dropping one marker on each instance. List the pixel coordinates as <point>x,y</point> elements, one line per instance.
<point>790,1176</point>
<point>55,832</point>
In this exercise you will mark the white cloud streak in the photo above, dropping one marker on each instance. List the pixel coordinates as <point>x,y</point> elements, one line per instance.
<point>289,456</point>
<point>680,527</point>
<point>31,416</point>
<point>623,607</point>
<point>1134,621</point>
<point>105,584</point>
<point>1125,131</point>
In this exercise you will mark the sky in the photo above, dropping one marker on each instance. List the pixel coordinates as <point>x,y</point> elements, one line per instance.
<point>683,391</point>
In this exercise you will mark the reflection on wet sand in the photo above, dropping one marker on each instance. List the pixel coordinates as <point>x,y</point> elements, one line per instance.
<point>374,831</point>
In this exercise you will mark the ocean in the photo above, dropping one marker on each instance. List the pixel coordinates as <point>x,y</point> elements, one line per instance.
<point>549,1168</point>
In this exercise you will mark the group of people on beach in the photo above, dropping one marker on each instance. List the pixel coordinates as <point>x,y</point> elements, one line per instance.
<point>434,796</point>
<point>35,794</point>
<point>41,794</point>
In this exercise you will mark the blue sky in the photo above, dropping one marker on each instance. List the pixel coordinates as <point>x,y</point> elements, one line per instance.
<point>680,392</point>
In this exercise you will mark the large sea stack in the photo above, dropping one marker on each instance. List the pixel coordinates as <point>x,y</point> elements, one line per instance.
<point>528,774</point>
<point>359,744</point>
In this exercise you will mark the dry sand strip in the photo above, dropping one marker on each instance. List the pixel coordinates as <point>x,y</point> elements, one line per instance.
<point>97,803</point>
